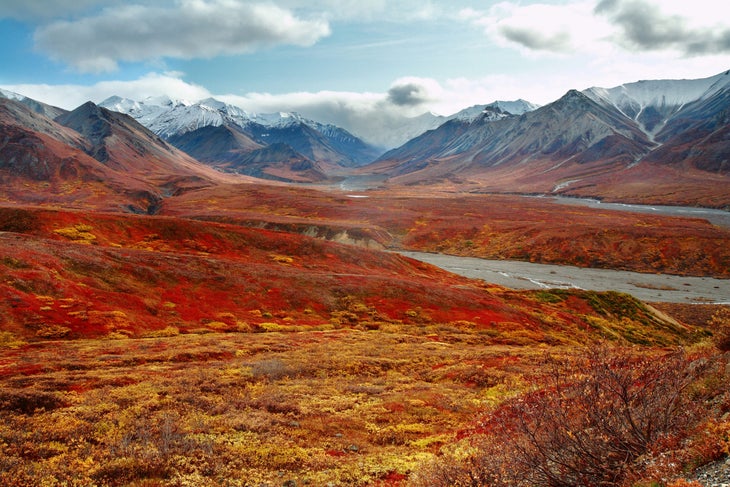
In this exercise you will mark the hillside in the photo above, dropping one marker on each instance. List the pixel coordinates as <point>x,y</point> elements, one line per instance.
<point>93,158</point>
<point>139,349</point>
<point>161,272</point>
<point>656,142</point>
<point>216,133</point>
<point>487,226</point>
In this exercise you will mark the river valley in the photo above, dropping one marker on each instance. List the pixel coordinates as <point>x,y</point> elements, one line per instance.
<point>526,275</point>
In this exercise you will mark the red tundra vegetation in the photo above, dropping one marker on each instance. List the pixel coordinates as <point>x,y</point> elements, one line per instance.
<point>476,225</point>
<point>164,350</point>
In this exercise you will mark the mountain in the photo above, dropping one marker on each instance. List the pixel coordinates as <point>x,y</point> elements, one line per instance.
<point>215,145</point>
<point>323,143</point>
<point>37,106</point>
<point>698,136</point>
<point>121,143</point>
<point>516,107</point>
<point>42,162</point>
<point>187,126</point>
<point>392,132</point>
<point>653,103</point>
<point>566,128</point>
<point>91,157</point>
<point>666,140</point>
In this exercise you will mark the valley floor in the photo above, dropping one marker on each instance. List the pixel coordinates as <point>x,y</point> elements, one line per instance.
<point>528,275</point>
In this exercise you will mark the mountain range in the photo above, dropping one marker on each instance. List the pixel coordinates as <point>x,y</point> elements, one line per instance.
<point>283,146</point>
<point>90,157</point>
<point>661,141</point>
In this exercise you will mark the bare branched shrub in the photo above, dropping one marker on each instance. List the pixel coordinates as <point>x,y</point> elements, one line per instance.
<point>600,420</point>
<point>270,369</point>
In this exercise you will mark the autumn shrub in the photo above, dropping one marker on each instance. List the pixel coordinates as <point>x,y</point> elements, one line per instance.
<point>18,220</point>
<point>10,340</point>
<point>603,419</point>
<point>720,327</point>
<point>28,401</point>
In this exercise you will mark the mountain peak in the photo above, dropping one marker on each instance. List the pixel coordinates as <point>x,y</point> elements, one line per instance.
<point>572,99</point>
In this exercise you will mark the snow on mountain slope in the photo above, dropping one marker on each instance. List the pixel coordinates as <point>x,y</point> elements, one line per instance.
<point>166,117</point>
<point>10,95</point>
<point>663,92</point>
<point>652,103</point>
<point>401,131</point>
<point>38,107</point>
<point>505,108</point>
<point>181,121</point>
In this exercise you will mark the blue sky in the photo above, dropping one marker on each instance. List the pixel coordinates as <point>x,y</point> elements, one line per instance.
<point>346,60</point>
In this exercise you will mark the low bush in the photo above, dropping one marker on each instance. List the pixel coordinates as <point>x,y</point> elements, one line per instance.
<point>606,418</point>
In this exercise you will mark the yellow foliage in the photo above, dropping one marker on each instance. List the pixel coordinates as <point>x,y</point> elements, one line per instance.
<point>47,300</point>
<point>53,331</point>
<point>169,331</point>
<point>111,319</point>
<point>79,233</point>
<point>218,326</point>
<point>720,433</point>
<point>9,340</point>
<point>270,327</point>
<point>281,259</point>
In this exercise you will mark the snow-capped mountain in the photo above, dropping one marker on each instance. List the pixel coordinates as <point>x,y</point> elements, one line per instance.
<point>495,110</point>
<point>400,131</point>
<point>167,117</point>
<point>667,137</point>
<point>651,103</point>
<point>91,156</point>
<point>38,107</point>
<point>188,126</point>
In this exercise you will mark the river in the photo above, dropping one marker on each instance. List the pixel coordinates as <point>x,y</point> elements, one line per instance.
<point>720,218</point>
<point>526,275</point>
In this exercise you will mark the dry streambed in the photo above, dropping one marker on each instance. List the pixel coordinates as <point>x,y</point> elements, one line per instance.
<point>526,275</point>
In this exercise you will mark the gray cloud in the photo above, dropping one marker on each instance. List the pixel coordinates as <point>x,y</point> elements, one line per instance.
<point>46,9</point>
<point>559,42</point>
<point>192,29</point>
<point>645,27</point>
<point>409,94</point>
<point>606,6</point>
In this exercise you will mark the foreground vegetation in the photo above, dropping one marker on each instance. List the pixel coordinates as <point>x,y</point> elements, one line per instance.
<point>163,351</point>
<point>355,407</point>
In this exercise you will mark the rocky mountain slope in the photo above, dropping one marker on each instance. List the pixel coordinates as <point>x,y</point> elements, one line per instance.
<point>672,134</point>
<point>220,134</point>
<point>91,156</point>
<point>36,106</point>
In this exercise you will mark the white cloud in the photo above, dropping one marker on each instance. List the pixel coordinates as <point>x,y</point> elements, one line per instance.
<point>371,10</point>
<point>152,84</point>
<point>192,29</point>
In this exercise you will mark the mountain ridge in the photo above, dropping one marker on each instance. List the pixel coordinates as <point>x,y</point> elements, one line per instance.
<point>178,121</point>
<point>584,144</point>
<point>91,156</point>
